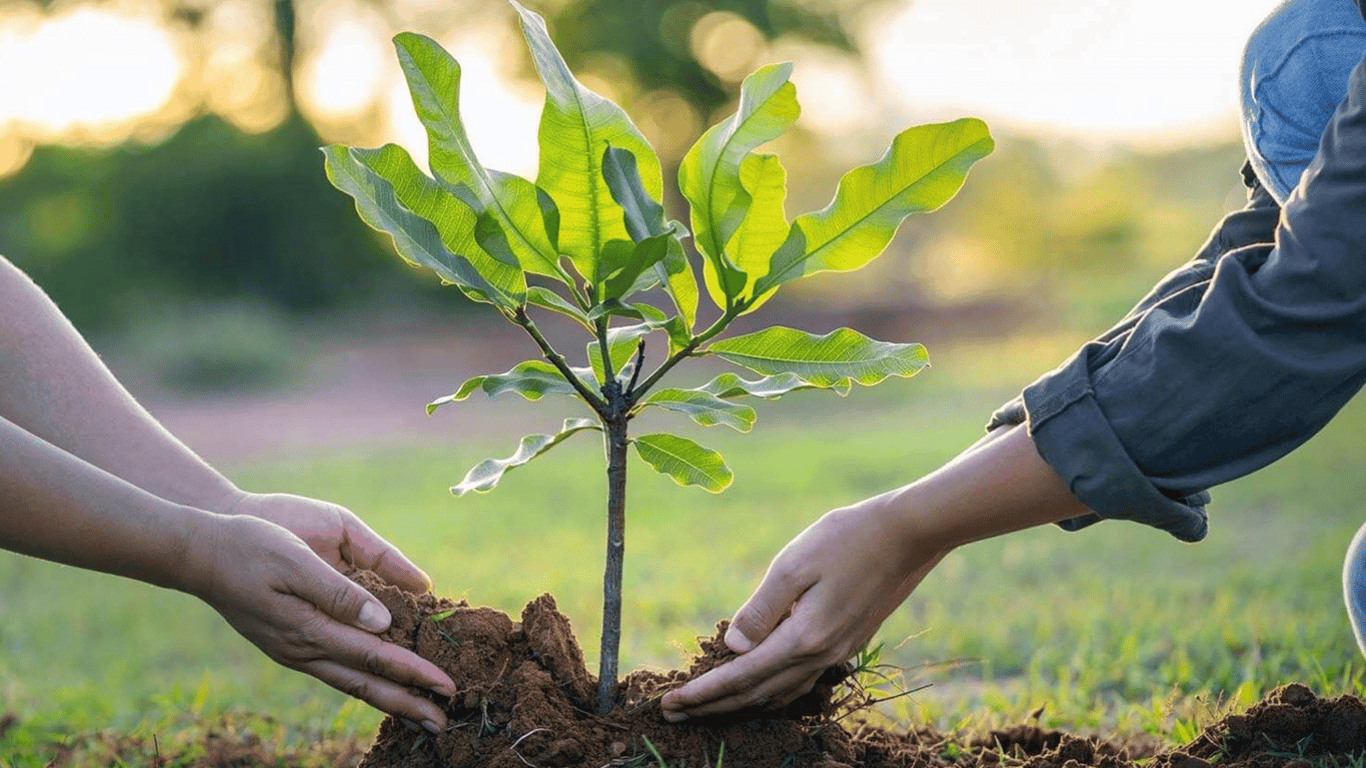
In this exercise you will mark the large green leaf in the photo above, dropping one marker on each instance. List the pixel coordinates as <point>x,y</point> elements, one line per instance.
<point>685,461</point>
<point>429,227</point>
<point>434,80</point>
<point>704,408</point>
<point>532,379</point>
<point>834,359</point>
<point>730,385</point>
<point>924,168</point>
<point>765,226</point>
<point>709,176</point>
<point>577,126</point>
<point>486,474</point>
<point>644,218</point>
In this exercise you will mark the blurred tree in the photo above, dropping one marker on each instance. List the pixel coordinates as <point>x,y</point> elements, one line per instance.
<point>211,213</point>
<point>658,39</point>
<point>214,212</point>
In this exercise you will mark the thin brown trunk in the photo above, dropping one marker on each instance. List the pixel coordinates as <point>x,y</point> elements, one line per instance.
<point>616,551</point>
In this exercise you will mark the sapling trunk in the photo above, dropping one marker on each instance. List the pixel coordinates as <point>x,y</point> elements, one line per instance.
<point>616,444</point>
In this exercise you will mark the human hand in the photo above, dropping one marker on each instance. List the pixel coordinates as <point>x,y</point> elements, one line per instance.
<point>334,533</point>
<point>839,579</point>
<point>289,599</point>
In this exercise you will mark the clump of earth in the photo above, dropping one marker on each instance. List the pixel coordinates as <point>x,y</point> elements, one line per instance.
<point>526,699</point>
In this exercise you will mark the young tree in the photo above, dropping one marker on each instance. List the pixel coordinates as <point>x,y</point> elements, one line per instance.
<point>589,240</point>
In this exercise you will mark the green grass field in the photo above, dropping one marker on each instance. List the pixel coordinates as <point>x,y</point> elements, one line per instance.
<point>1118,628</point>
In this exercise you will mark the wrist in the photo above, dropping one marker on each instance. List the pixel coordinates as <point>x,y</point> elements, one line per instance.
<point>228,501</point>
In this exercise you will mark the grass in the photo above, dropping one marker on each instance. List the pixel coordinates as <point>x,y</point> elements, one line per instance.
<point>1118,628</point>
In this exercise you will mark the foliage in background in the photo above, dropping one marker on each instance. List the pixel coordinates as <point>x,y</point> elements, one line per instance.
<point>215,214</point>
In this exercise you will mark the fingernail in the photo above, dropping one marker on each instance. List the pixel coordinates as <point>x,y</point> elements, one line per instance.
<point>431,727</point>
<point>675,717</point>
<point>444,690</point>
<point>374,617</point>
<point>737,641</point>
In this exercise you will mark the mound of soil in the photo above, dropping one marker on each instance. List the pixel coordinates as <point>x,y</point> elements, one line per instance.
<point>526,699</point>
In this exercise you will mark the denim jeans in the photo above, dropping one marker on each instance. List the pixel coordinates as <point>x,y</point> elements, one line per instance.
<point>1293,76</point>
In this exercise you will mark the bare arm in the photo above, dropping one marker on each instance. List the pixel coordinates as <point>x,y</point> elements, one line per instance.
<point>848,571</point>
<point>54,386</point>
<point>89,478</point>
<point>267,582</point>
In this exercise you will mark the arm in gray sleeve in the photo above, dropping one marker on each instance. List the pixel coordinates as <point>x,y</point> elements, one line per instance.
<point>1216,378</point>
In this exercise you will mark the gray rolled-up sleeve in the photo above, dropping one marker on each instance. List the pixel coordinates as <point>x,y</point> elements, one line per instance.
<point>1230,363</point>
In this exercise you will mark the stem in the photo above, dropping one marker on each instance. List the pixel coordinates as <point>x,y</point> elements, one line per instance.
<point>676,358</point>
<point>608,374</point>
<point>616,549</point>
<point>594,401</point>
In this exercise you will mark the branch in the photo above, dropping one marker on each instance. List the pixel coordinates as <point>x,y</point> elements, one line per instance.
<point>720,325</point>
<point>640,363</point>
<point>594,401</point>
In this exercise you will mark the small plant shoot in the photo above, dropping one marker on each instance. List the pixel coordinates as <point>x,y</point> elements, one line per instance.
<point>589,240</point>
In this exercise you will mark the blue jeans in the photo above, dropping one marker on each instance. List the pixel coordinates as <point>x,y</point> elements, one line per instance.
<point>1354,586</point>
<point>1293,76</point>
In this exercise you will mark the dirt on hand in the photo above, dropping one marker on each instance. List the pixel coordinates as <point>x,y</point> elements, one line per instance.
<point>526,699</point>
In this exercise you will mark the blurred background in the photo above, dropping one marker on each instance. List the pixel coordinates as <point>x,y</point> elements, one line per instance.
<point>158,158</point>
<point>160,178</point>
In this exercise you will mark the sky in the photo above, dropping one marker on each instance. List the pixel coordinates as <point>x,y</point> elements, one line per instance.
<point>1141,72</point>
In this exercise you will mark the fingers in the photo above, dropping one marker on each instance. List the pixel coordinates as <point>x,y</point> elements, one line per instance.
<point>367,654</point>
<point>381,693</point>
<point>339,597</point>
<point>367,549</point>
<point>768,605</point>
<point>776,672</point>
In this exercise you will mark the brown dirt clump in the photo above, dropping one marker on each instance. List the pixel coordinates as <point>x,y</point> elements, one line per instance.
<point>525,699</point>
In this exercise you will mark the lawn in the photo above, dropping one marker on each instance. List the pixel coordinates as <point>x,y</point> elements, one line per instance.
<point>1118,628</point>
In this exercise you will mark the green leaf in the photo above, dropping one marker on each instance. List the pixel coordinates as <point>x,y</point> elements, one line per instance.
<point>642,215</point>
<point>617,308</point>
<point>709,176</point>
<point>730,385</point>
<point>640,261</point>
<point>427,224</point>
<point>434,80</point>
<point>685,461</point>
<point>922,170</point>
<point>545,298</point>
<point>621,344</point>
<point>834,359</point>
<point>422,195</point>
<point>765,227</point>
<point>486,474</point>
<point>704,408</point>
<point>676,273</point>
<point>577,126</point>
<point>532,379</point>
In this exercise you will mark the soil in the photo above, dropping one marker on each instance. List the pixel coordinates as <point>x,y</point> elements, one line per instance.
<point>526,700</point>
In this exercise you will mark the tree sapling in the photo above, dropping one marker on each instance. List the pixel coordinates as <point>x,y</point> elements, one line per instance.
<point>590,240</point>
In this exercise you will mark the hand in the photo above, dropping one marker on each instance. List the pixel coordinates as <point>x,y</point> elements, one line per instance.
<point>291,601</point>
<point>839,579</point>
<point>334,533</point>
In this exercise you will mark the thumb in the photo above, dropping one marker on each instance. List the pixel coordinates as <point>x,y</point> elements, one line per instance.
<point>342,599</point>
<point>765,609</point>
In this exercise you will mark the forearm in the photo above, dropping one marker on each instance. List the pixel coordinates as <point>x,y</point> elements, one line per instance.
<point>998,485</point>
<point>58,507</point>
<point>56,388</point>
